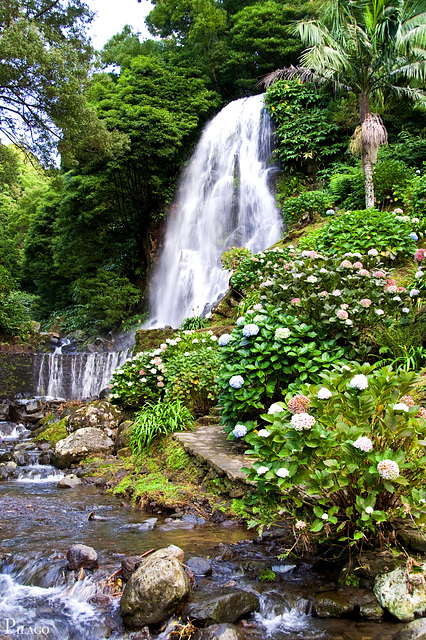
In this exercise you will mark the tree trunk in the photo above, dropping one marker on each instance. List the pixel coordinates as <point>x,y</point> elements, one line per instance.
<point>368,179</point>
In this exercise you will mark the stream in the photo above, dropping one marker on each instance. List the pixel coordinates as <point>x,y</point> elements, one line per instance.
<point>40,597</point>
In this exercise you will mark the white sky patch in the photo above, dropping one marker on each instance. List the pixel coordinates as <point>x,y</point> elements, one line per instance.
<point>113,15</point>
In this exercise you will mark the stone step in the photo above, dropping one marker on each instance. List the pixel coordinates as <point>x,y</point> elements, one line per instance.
<point>208,443</point>
<point>208,420</point>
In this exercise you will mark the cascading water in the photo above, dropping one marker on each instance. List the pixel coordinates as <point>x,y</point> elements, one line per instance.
<point>75,376</point>
<point>224,200</point>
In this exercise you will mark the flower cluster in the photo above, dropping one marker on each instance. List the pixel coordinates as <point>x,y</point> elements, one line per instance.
<point>359,382</point>
<point>388,469</point>
<point>236,382</point>
<point>301,421</point>
<point>250,330</point>
<point>298,404</point>
<point>363,443</point>
<point>282,333</point>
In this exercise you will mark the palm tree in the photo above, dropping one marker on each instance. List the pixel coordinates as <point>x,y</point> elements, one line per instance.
<point>373,48</point>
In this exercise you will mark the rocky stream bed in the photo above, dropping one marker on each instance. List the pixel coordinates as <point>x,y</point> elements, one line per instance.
<point>50,591</point>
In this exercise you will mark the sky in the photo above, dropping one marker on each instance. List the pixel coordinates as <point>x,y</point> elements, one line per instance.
<point>113,15</point>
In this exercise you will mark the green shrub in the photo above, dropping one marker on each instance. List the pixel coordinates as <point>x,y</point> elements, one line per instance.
<point>308,203</point>
<point>194,322</point>
<point>265,352</point>
<point>232,258</point>
<point>158,419</point>
<point>367,229</point>
<point>350,450</point>
<point>15,307</point>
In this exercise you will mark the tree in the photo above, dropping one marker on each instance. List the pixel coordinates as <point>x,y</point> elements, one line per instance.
<point>373,48</point>
<point>44,60</point>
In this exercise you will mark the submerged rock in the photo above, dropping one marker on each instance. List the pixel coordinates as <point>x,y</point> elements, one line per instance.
<point>337,604</point>
<point>223,607</point>
<point>415,630</point>
<point>80,556</point>
<point>81,443</point>
<point>402,592</point>
<point>219,632</point>
<point>155,590</point>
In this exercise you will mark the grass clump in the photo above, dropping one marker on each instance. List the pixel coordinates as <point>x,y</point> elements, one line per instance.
<point>158,419</point>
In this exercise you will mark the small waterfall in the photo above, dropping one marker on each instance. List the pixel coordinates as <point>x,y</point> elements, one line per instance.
<point>75,376</point>
<point>224,200</point>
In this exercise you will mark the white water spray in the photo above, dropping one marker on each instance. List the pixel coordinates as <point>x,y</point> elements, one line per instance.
<point>224,200</point>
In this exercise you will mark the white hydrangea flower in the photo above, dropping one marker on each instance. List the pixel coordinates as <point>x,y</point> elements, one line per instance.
<point>359,382</point>
<point>400,406</point>
<point>263,433</point>
<point>324,394</point>
<point>275,408</point>
<point>262,470</point>
<point>369,510</point>
<point>282,472</point>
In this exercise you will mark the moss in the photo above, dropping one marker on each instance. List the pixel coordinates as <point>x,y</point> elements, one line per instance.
<point>268,576</point>
<point>53,431</point>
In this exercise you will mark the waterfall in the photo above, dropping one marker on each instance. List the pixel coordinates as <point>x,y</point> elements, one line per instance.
<point>223,200</point>
<point>75,376</point>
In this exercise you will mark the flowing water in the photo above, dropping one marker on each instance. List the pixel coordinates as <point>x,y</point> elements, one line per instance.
<point>75,376</point>
<point>40,597</point>
<point>224,200</point>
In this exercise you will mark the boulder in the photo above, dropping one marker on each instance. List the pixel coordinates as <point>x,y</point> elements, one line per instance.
<point>100,414</point>
<point>219,632</point>
<point>413,538</point>
<point>69,482</point>
<point>337,604</point>
<point>402,592</point>
<point>223,607</point>
<point>7,470</point>
<point>4,412</point>
<point>199,566</point>
<point>81,443</point>
<point>155,590</point>
<point>129,564</point>
<point>415,630</point>
<point>80,556</point>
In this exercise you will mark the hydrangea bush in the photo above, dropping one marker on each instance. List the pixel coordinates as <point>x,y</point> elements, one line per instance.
<point>185,366</point>
<point>265,352</point>
<point>387,232</point>
<point>351,449</point>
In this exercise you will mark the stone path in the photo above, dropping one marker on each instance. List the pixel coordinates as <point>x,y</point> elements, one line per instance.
<point>208,444</point>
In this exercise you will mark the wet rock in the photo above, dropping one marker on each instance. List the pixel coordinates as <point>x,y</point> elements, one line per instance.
<point>69,482</point>
<point>4,412</point>
<point>340,603</point>
<point>100,414</point>
<point>223,607</point>
<point>193,519</point>
<point>199,566</point>
<point>415,630</point>
<point>33,406</point>
<point>402,592</point>
<point>148,525</point>
<point>219,632</point>
<point>80,556</point>
<point>7,470</point>
<point>143,634</point>
<point>155,590</point>
<point>81,443</point>
<point>129,565</point>
<point>224,552</point>
<point>413,538</point>
<point>122,439</point>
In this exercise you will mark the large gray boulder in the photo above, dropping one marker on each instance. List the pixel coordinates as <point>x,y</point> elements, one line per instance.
<point>415,630</point>
<point>100,414</point>
<point>80,444</point>
<point>69,482</point>
<point>155,590</point>
<point>402,592</point>
<point>223,607</point>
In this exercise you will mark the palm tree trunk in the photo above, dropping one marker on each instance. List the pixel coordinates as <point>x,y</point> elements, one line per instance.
<point>368,181</point>
<point>367,167</point>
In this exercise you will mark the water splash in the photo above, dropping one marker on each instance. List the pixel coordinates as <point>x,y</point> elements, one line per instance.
<point>224,200</point>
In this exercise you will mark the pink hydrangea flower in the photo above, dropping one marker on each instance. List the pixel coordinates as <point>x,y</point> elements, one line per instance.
<point>363,272</point>
<point>342,314</point>
<point>323,294</point>
<point>142,372</point>
<point>419,255</point>
<point>391,282</point>
<point>422,413</point>
<point>357,265</point>
<point>346,263</point>
<point>391,288</point>
<point>408,400</point>
<point>379,274</point>
<point>298,404</point>
<point>294,301</point>
<point>365,302</point>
